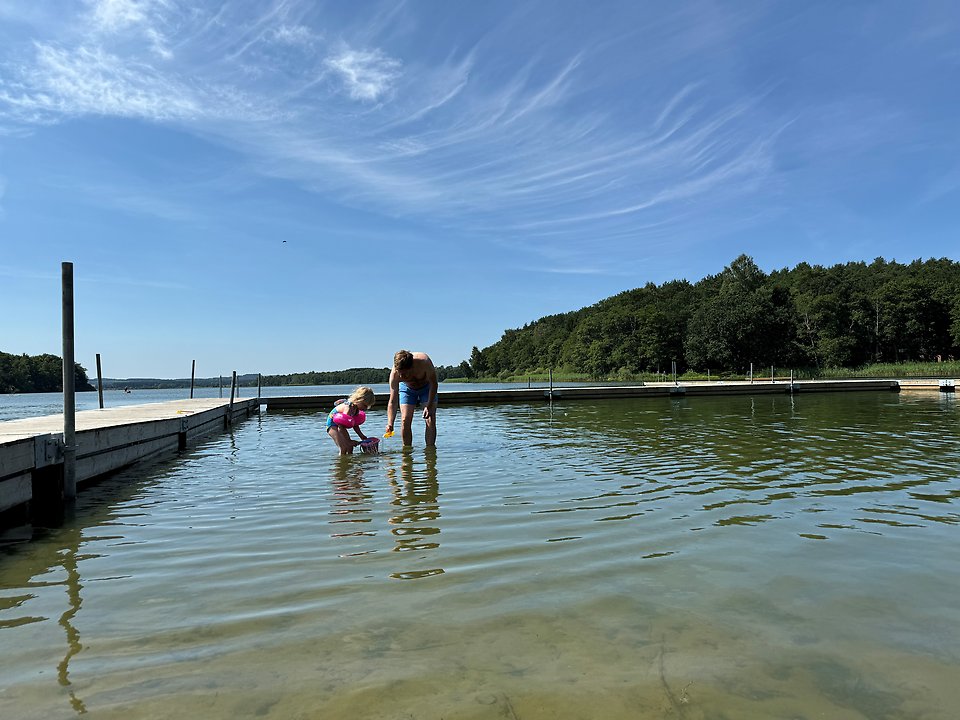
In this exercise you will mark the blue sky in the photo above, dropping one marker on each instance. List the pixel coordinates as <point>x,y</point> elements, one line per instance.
<point>296,185</point>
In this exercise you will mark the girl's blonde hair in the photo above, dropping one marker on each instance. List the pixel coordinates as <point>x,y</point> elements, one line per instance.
<point>365,395</point>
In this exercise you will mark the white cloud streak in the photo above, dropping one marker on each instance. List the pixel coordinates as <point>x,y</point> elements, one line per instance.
<point>366,75</point>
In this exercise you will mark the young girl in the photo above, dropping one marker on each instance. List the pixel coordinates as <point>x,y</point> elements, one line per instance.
<point>350,413</point>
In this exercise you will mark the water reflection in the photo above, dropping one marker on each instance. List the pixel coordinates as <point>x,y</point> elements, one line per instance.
<point>351,508</point>
<point>58,559</point>
<point>416,509</point>
<point>74,601</point>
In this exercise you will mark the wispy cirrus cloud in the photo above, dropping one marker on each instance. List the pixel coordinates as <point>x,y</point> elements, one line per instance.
<point>125,16</point>
<point>499,150</point>
<point>366,74</point>
<point>89,80</point>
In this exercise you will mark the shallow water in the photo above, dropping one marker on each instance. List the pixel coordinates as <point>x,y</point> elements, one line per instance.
<point>23,405</point>
<point>697,558</point>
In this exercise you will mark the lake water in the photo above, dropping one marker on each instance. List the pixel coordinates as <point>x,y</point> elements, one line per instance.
<point>14,407</point>
<point>701,558</point>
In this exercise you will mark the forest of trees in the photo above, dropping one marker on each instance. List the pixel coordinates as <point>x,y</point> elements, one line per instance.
<point>357,376</point>
<point>37,373</point>
<point>808,317</point>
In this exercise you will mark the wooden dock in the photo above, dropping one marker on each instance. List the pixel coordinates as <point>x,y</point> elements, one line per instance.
<point>31,449</point>
<point>651,390</point>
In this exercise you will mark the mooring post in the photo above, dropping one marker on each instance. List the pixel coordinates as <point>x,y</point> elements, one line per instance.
<point>773,379</point>
<point>99,381</point>
<point>550,371</point>
<point>673,370</point>
<point>69,387</point>
<point>193,372</point>
<point>233,387</point>
<point>751,372</point>
<point>259,378</point>
<point>221,386</point>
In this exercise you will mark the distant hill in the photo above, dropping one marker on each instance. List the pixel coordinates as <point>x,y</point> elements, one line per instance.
<point>168,383</point>
<point>806,317</point>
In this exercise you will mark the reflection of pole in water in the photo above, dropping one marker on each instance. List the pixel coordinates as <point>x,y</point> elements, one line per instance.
<point>417,510</point>
<point>66,621</point>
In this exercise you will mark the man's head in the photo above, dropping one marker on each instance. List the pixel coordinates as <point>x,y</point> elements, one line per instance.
<point>403,360</point>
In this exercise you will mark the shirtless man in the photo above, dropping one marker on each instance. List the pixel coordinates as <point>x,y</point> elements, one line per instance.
<point>413,381</point>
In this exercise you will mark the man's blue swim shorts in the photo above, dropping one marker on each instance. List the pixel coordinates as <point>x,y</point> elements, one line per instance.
<point>414,396</point>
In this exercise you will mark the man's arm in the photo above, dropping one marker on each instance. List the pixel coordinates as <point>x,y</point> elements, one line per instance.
<point>434,388</point>
<point>394,398</point>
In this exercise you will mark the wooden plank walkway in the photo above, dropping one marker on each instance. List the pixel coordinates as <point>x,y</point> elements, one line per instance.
<point>31,449</point>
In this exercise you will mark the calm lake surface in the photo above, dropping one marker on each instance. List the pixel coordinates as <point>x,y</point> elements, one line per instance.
<point>701,558</point>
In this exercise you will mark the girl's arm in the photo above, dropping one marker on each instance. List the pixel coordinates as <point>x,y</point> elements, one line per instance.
<point>359,432</point>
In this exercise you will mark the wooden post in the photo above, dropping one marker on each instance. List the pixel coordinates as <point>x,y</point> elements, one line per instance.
<point>751,372</point>
<point>233,388</point>
<point>259,378</point>
<point>673,369</point>
<point>193,372</point>
<point>551,383</point>
<point>69,386</point>
<point>773,378</point>
<point>99,381</point>
<point>221,386</point>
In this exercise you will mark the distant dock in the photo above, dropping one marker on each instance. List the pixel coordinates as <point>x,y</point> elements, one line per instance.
<point>652,390</point>
<point>32,449</point>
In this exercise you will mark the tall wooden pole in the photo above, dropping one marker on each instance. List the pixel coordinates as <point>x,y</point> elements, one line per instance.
<point>99,381</point>
<point>193,372</point>
<point>69,386</point>
<point>233,392</point>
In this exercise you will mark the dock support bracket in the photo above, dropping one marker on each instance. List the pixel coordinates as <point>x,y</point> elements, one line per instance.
<point>47,505</point>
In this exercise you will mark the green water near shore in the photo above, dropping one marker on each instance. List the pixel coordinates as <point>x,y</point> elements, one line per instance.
<point>767,557</point>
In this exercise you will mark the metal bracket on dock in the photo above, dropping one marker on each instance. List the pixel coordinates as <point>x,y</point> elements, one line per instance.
<point>47,450</point>
<point>182,435</point>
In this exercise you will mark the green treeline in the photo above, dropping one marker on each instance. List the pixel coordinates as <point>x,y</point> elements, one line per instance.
<point>808,317</point>
<point>350,376</point>
<point>357,376</point>
<point>37,373</point>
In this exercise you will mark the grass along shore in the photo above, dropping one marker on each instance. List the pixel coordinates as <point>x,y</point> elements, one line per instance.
<point>949,369</point>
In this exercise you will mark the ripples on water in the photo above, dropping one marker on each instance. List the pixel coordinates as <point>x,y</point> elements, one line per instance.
<point>703,558</point>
